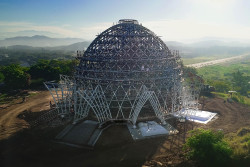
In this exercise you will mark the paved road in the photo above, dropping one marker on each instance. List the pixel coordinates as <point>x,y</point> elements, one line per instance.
<point>213,62</point>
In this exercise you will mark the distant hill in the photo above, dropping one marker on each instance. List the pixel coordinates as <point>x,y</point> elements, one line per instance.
<point>212,43</point>
<point>205,47</point>
<point>39,41</point>
<point>209,48</point>
<point>73,47</point>
<point>22,47</point>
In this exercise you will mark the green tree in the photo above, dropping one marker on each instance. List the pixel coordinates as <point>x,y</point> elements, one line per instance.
<point>221,86</point>
<point>15,76</point>
<point>51,69</point>
<point>240,83</point>
<point>189,70</point>
<point>42,69</point>
<point>208,148</point>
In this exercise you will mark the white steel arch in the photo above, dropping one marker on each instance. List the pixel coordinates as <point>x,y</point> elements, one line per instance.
<point>62,94</point>
<point>94,99</point>
<point>142,98</point>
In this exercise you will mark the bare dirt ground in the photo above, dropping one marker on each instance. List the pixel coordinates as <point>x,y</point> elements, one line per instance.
<point>10,123</point>
<point>231,116</point>
<point>35,147</point>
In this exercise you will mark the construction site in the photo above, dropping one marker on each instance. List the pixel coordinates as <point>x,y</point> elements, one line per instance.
<point>127,104</point>
<point>127,75</point>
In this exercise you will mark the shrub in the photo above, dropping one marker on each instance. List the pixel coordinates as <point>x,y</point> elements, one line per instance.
<point>240,143</point>
<point>208,148</point>
<point>241,99</point>
<point>221,86</point>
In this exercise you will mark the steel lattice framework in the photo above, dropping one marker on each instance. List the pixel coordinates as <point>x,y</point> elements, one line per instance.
<point>124,71</point>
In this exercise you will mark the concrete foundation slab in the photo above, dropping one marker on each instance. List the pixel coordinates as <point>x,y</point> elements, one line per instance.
<point>196,115</point>
<point>82,134</point>
<point>150,129</point>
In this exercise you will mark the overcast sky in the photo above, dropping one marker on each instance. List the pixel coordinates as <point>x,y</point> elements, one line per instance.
<point>173,20</point>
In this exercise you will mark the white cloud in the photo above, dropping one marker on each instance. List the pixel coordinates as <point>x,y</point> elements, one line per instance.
<point>87,32</point>
<point>184,30</point>
<point>13,27</point>
<point>90,32</point>
<point>179,30</point>
<point>176,30</point>
<point>66,25</point>
<point>54,29</point>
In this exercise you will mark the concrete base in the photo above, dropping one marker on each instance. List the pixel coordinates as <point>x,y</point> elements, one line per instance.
<point>196,115</point>
<point>150,129</point>
<point>82,134</point>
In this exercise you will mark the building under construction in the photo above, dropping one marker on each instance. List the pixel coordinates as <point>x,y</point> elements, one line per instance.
<point>127,73</point>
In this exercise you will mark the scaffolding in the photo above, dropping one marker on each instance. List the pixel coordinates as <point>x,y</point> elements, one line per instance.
<point>124,71</point>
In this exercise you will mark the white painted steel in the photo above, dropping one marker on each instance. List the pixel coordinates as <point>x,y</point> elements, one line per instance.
<point>123,68</point>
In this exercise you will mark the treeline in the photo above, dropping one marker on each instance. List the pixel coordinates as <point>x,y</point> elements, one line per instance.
<point>239,82</point>
<point>29,55</point>
<point>236,81</point>
<point>14,76</point>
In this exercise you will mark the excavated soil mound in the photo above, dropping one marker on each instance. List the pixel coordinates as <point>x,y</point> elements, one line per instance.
<point>231,116</point>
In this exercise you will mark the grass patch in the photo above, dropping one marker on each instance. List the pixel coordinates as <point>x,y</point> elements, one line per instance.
<point>203,58</point>
<point>241,99</point>
<point>240,143</point>
<point>221,95</point>
<point>224,72</point>
<point>236,97</point>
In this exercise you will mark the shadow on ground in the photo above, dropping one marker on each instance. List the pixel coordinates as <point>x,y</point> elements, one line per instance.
<point>35,147</point>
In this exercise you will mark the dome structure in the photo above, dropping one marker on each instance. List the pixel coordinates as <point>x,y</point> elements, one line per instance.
<point>126,58</point>
<point>124,71</point>
<point>127,53</point>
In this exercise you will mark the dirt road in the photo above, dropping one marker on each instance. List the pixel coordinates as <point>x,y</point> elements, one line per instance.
<point>9,123</point>
<point>213,62</point>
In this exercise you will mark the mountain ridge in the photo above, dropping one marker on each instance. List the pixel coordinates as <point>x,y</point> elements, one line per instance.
<point>73,44</point>
<point>38,41</point>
